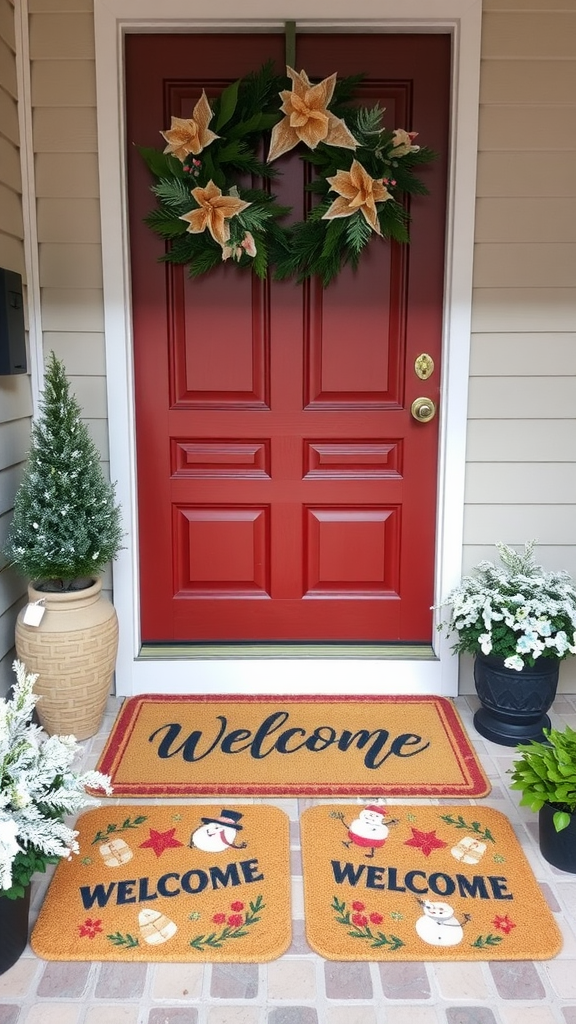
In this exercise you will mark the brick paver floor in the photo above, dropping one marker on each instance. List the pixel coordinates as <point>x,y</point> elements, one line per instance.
<point>302,988</point>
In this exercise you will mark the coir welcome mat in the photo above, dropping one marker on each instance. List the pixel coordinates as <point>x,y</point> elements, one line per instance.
<point>297,746</point>
<point>420,883</point>
<point>171,883</point>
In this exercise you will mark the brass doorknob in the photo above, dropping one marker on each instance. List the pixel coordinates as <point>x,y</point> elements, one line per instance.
<point>423,409</point>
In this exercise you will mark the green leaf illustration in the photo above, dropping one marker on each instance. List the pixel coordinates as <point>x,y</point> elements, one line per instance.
<point>488,940</point>
<point>474,826</point>
<point>215,940</point>
<point>123,941</point>
<point>114,829</point>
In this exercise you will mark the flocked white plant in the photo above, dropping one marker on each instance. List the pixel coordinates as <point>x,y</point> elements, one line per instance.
<point>37,789</point>
<point>516,610</point>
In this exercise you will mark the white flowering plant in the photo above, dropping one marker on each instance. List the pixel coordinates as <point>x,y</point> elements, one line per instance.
<point>37,789</point>
<point>515,611</point>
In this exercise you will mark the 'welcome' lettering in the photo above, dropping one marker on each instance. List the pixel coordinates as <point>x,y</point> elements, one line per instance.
<point>441,884</point>
<point>138,890</point>
<point>270,737</point>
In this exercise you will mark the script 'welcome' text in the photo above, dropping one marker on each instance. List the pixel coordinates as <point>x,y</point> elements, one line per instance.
<point>271,737</point>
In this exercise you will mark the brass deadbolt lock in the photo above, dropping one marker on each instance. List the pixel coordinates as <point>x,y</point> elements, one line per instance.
<point>423,409</point>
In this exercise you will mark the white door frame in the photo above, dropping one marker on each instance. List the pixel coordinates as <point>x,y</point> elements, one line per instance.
<point>276,672</point>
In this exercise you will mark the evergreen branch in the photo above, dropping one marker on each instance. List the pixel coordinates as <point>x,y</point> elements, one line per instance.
<point>204,261</point>
<point>172,192</point>
<point>358,232</point>
<point>165,224</point>
<point>367,122</point>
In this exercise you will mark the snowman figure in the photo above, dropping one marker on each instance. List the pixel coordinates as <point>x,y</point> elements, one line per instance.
<point>438,925</point>
<point>369,830</point>
<point>215,835</point>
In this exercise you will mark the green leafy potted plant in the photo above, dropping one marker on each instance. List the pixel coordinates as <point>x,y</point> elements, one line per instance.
<point>546,776</point>
<point>519,622</point>
<point>66,527</point>
<point>37,789</point>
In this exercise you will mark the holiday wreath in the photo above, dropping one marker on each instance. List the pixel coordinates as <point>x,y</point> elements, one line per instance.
<point>361,172</point>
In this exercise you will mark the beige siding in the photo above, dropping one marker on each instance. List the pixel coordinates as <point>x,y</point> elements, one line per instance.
<point>63,86</point>
<point>15,402</point>
<point>521,444</point>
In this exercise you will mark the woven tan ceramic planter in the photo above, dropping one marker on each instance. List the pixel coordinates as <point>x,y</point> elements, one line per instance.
<point>73,650</point>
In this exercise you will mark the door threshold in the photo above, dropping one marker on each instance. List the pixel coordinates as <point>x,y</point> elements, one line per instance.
<point>238,651</point>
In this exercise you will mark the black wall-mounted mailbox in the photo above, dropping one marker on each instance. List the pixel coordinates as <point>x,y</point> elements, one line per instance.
<point>12,336</point>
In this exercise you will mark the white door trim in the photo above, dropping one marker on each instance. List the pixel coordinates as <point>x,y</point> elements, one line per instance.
<point>113,18</point>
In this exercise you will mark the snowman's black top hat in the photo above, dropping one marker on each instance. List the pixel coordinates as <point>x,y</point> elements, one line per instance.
<point>229,819</point>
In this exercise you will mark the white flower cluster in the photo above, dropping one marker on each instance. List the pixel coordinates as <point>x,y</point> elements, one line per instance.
<point>37,786</point>
<point>522,597</point>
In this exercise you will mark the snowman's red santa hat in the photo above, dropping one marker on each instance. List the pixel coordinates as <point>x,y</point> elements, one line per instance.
<point>376,810</point>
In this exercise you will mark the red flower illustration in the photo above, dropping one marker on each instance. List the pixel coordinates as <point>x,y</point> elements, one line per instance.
<point>358,906</point>
<point>504,924</point>
<point>235,920</point>
<point>219,918</point>
<point>360,920</point>
<point>237,905</point>
<point>90,928</point>
<point>376,918</point>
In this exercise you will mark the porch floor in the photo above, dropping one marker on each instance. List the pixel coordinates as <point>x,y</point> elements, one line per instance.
<point>300,987</point>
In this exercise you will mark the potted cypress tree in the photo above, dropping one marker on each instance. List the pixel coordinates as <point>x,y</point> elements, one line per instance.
<point>66,527</point>
<point>546,776</point>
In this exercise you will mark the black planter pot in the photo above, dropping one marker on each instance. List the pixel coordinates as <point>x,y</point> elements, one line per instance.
<point>514,704</point>
<point>558,848</point>
<point>13,929</point>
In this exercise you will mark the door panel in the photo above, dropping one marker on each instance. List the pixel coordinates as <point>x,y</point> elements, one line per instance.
<point>285,492</point>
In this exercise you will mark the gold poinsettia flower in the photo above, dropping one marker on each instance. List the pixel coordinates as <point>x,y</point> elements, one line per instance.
<point>190,135</point>
<point>215,209</point>
<point>357,191</point>
<point>307,119</point>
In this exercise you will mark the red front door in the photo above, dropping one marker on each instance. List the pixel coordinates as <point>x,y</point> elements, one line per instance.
<point>285,491</point>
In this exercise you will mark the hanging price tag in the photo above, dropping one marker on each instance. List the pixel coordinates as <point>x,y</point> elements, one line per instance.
<point>34,612</point>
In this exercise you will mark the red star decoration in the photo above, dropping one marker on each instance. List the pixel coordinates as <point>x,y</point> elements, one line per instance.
<point>160,841</point>
<point>425,841</point>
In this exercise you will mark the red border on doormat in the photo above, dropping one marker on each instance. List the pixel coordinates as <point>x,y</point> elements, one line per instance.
<point>474,784</point>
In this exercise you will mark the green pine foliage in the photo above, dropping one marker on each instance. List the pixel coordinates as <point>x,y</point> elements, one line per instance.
<point>66,524</point>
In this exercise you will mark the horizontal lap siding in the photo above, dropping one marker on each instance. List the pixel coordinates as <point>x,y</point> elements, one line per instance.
<point>521,444</point>
<point>63,90</point>
<point>15,402</point>
<point>63,85</point>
